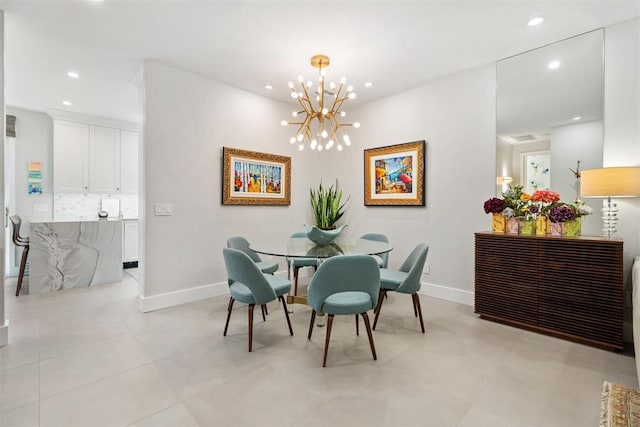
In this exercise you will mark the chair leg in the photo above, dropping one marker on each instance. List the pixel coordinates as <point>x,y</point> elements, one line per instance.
<point>416,300</point>
<point>365,316</point>
<point>250,309</point>
<point>23,264</point>
<point>357,326</point>
<point>286,313</point>
<point>296,270</point>
<point>383,293</point>
<point>415,309</point>
<point>327,339</point>
<point>266,309</point>
<point>226,326</point>
<point>263,308</point>
<point>313,319</point>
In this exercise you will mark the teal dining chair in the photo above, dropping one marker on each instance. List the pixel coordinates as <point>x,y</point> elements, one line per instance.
<point>406,280</point>
<point>383,259</point>
<point>297,263</point>
<point>242,244</point>
<point>247,284</point>
<point>346,284</point>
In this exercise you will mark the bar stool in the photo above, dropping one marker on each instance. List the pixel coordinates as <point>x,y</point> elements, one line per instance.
<point>22,242</point>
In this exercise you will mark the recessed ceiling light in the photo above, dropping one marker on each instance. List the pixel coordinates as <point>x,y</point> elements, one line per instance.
<point>577,118</point>
<point>67,103</point>
<point>368,84</point>
<point>268,87</point>
<point>553,65</point>
<point>73,74</point>
<point>535,21</point>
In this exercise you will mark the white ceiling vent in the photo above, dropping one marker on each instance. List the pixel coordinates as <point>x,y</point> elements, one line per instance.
<point>524,138</point>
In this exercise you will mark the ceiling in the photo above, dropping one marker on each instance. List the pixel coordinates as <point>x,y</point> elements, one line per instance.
<point>396,45</point>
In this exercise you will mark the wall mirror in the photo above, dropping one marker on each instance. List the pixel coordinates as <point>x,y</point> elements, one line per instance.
<point>550,108</point>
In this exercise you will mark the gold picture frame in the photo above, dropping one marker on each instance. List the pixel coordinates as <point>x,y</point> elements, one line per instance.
<point>394,175</point>
<point>253,178</point>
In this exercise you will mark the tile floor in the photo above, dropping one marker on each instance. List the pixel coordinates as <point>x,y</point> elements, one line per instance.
<point>87,357</point>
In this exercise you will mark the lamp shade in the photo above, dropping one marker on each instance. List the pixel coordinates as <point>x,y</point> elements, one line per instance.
<point>610,182</point>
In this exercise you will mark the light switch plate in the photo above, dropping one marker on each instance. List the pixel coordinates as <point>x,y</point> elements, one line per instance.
<point>164,209</point>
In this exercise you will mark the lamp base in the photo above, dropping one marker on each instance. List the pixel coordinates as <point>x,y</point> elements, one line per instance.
<point>609,218</point>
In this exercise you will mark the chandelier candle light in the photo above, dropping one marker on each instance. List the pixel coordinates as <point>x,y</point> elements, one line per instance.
<point>320,126</point>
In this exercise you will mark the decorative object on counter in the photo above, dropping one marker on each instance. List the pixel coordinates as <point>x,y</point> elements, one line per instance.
<point>35,178</point>
<point>394,175</point>
<point>495,206</point>
<point>610,182</point>
<point>527,227</point>
<point>323,237</point>
<point>573,228</point>
<point>327,205</point>
<point>253,178</point>
<point>541,225</point>
<point>559,214</point>
<point>103,214</point>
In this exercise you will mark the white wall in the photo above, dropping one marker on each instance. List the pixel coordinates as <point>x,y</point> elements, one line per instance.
<point>456,117</point>
<point>34,142</point>
<point>570,143</point>
<point>188,119</point>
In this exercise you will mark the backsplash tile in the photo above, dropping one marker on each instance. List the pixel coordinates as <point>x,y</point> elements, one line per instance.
<point>73,205</point>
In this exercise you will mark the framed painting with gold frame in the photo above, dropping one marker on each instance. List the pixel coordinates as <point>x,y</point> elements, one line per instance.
<point>394,175</point>
<point>253,178</point>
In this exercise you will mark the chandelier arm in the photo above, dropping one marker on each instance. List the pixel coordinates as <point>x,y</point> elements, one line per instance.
<point>335,100</point>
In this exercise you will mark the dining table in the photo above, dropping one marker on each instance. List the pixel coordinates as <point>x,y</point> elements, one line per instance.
<point>302,247</point>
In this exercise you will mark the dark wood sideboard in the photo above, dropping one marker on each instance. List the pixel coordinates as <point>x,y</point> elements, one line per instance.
<point>569,287</point>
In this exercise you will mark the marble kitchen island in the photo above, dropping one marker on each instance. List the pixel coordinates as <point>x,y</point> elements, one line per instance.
<point>72,254</point>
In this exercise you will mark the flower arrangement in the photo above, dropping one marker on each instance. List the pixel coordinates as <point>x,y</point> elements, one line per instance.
<point>562,213</point>
<point>327,205</point>
<point>582,209</point>
<point>494,205</point>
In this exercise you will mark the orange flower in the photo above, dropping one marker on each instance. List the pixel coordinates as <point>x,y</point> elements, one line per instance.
<point>545,196</point>
<point>525,197</point>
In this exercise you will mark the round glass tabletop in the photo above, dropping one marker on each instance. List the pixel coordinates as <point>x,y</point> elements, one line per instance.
<point>301,247</point>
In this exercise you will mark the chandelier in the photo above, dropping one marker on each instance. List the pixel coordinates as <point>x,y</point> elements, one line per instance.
<point>321,127</point>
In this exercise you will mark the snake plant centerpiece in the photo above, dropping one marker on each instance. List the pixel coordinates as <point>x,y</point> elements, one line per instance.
<point>328,208</point>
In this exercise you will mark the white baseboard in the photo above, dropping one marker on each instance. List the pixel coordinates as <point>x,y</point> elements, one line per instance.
<point>185,296</point>
<point>4,333</point>
<point>447,293</point>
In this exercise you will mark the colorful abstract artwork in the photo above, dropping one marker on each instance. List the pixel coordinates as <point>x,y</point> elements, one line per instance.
<point>394,175</point>
<point>34,180</point>
<point>253,178</point>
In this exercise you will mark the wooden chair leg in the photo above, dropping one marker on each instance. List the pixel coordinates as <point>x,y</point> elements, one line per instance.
<point>365,316</point>
<point>416,298</point>
<point>250,309</point>
<point>226,326</point>
<point>23,264</point>
<point>263,308</point>
<point>383,293</point>
<point>326,340</point>
<point>266,309</point>
<point>357,326</point>
<point>415,309</point>
<point>286,313</point>
<point>313,319</point>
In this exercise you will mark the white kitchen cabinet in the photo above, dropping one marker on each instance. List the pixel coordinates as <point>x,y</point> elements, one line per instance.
<point>70,157</point>
<point>94,159</point>
<point>128,162</point>
<point>130,241</point>
<point>104,160</point>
